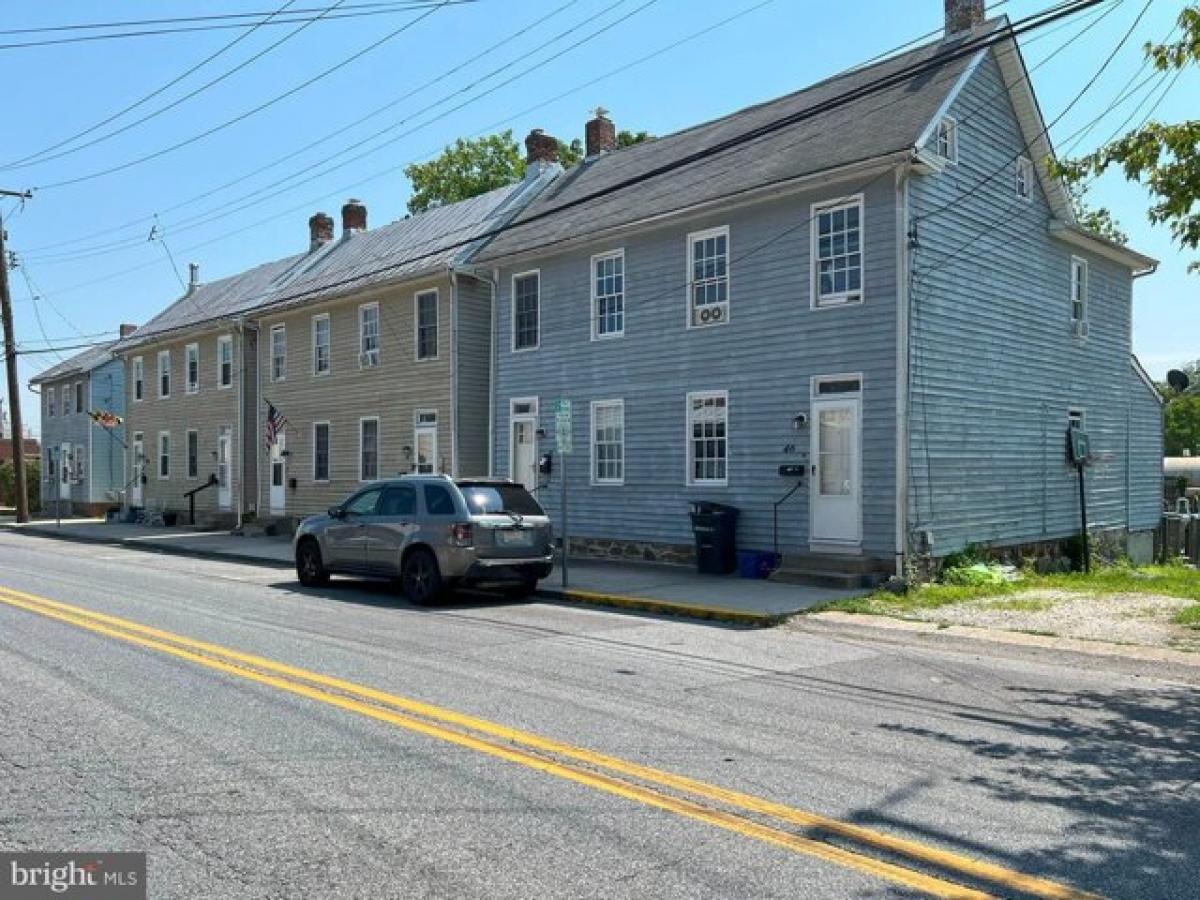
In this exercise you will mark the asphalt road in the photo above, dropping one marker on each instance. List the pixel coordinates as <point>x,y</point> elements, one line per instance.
<point>315,744</point>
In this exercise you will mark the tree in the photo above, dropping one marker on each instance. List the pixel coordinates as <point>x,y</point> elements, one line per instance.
<point>473,167</point>
<point>1164,157</point>
<point>1097,220</point>
<point>1181,425</point>
<point>33,480</point>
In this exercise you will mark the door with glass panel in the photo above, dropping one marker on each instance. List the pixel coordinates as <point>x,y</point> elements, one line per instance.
<point>836,491</point>
<point>224,484</point>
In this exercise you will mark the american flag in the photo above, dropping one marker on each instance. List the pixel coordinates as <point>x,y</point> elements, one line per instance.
<point>275,424</point>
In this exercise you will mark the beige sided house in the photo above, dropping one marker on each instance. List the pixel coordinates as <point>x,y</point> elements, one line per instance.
<point>374,346</point>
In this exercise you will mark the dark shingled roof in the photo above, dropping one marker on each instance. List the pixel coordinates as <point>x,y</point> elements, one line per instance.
<point>77,364</point>
<point>868,128</point>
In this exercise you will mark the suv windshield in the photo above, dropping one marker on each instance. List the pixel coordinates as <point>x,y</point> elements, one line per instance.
<point>500,498</point>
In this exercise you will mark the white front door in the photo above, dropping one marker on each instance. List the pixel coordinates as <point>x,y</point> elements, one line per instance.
<point>64,472</point>
<point>836,492</point>
<point>523,469</point>
<point>139,470</point>
<point>224,488</point>
<point>278,476</point>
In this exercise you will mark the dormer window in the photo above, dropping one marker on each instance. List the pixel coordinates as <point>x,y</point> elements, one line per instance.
<point>946,144</point>
<point>1024,177</point>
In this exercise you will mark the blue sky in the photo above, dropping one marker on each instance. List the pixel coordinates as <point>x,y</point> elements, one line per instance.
<point>111,273</point>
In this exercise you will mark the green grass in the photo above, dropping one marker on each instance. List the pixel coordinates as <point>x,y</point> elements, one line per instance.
<point>1169,581</point>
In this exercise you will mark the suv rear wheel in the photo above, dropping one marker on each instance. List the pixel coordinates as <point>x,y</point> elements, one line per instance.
<point>420,578</point>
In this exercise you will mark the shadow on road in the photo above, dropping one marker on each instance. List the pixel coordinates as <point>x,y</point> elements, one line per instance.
<point>384,594</point>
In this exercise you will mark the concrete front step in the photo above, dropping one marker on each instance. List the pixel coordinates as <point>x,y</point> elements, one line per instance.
<point>833,578</point>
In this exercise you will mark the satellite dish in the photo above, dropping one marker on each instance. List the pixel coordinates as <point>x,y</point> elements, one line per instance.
<point>1178,380</point>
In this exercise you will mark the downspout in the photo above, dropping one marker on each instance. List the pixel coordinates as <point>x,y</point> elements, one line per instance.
<point>493,289</point>
<point>453,371</point>
<point>902,367</point>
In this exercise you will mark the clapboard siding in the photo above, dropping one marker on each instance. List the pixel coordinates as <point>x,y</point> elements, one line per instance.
<point>1145,454</point>
<point>73,429</point>
<point>994,363</point>
<point>764,357</point>
<point>106,384</point>
<point>473,360</point>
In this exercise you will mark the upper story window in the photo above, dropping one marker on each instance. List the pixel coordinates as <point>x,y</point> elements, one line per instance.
<point>79,397</point>
<point>51,402</point>
<point>1024,177</point>
<point>426,313</point>
<point>526,311</point>
<point>1079,290</point>
<point>225,361</point>
<point>608,294</point>
<point>947,139</point>
<point>66,395</point>
<point>278,352</point>
<point>321,344</point>
<point>707,437</point>
<point>368,336</point>
<point>164,374</point>
<point>139,378</point>
<point>708,277</point>
<point>837,261</point>
<point>192,368</point>
<point>608,442</point>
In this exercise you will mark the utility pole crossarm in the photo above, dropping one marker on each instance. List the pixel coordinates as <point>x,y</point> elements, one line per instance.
<point>14,382</point>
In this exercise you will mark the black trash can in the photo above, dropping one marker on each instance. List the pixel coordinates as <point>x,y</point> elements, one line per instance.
<point>714,527</point>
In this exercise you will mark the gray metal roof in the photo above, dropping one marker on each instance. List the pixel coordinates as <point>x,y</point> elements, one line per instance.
<point>865,129</point>
<point>77,364</point>
<point>404,249</point>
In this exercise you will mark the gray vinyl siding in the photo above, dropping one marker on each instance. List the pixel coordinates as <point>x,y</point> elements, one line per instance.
<point>206,412</point>
<point>392,391</point>
<point>473,360</point>
<point>764,356</point>
<point>71,429</point>
<point>1145,454</point>
<point>994,363</point>
<point>107,459</point>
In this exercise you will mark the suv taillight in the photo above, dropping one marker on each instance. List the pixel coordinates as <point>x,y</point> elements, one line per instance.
<point>460,533</point>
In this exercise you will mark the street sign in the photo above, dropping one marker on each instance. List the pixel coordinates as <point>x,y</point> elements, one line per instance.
<point>562,425</point>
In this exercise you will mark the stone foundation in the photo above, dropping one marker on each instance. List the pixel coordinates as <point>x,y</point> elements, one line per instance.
<point>1059,555</point>
<point>640,551</point>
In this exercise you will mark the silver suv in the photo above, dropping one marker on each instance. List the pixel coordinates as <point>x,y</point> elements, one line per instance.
<point>432,533</point>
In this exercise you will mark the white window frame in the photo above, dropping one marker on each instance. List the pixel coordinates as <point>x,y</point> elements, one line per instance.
<point>619,405</point>
<point>158,468</point>
<point>78,391</point>
<point>618,254</point>
<point>225,340</point>
<point>845,298</point>
<point>816,381</point>
<point>534,273</point>
<point>316,359</point>
<point>420,427</point>
<point>191,352</point>
<point>1024,176</point>
<point>163,355</point>
<point>692,238</point>
<point>1079,285</point>
<point>328,452</point>
<point>947,128</point>
<point>51,402</point>
<point>378,447</point>
<point>689,458</point>
<point>138,365</point>
<point>437,324</point>
<point>66,400</point>
<point>279,328</point>
<point>365,358</point>
<point>187,454</point>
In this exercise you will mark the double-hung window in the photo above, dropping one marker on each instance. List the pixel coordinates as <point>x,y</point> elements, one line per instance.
<point>707,437</point>
<point>947,139</point>
<point>368,335</point>
<point>164,374</point>
<point>66,394</point>
<point>321,344</point>
<point>192,368</point>
<point>526,310</point>
<point>837,261</point>
<point>164,455</point>
<point>608,442</point>
<point>193,453</point>
<point>79,397</point>
<point>368,449</point>
<point>278,352</point>
<point>426,312</point>
<point>708,277</point>
<point>608,294</point>
<point>320,451</point>
<point>139,378</point>
<point>1024,177</point>
<point>51,402</point>
<point>225,361</point>
<point>1079,290</point>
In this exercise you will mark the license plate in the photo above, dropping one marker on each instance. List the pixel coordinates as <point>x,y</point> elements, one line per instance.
<point>514,538</point>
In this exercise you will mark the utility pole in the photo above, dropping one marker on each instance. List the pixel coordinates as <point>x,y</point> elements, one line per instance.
<point>14,382</point>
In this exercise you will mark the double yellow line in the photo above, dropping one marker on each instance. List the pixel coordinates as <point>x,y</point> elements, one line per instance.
<point>743,814</point>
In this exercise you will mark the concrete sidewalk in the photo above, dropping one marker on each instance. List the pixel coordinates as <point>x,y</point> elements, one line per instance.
<point>646,587</point>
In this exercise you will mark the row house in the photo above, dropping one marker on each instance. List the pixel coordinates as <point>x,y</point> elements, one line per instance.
<point>369,350</point>
<point>867,326</point>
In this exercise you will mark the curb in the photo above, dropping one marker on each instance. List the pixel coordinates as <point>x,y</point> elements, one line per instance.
<point>140,545</point>
<point>664,607</point>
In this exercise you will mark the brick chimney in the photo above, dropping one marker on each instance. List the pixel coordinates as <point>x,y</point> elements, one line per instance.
<point>540,148</point>
<point>963,15</point>
<point>600,134</point>
<point>127,330</point>
<point>320,230</point>
<point>354,217</point>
